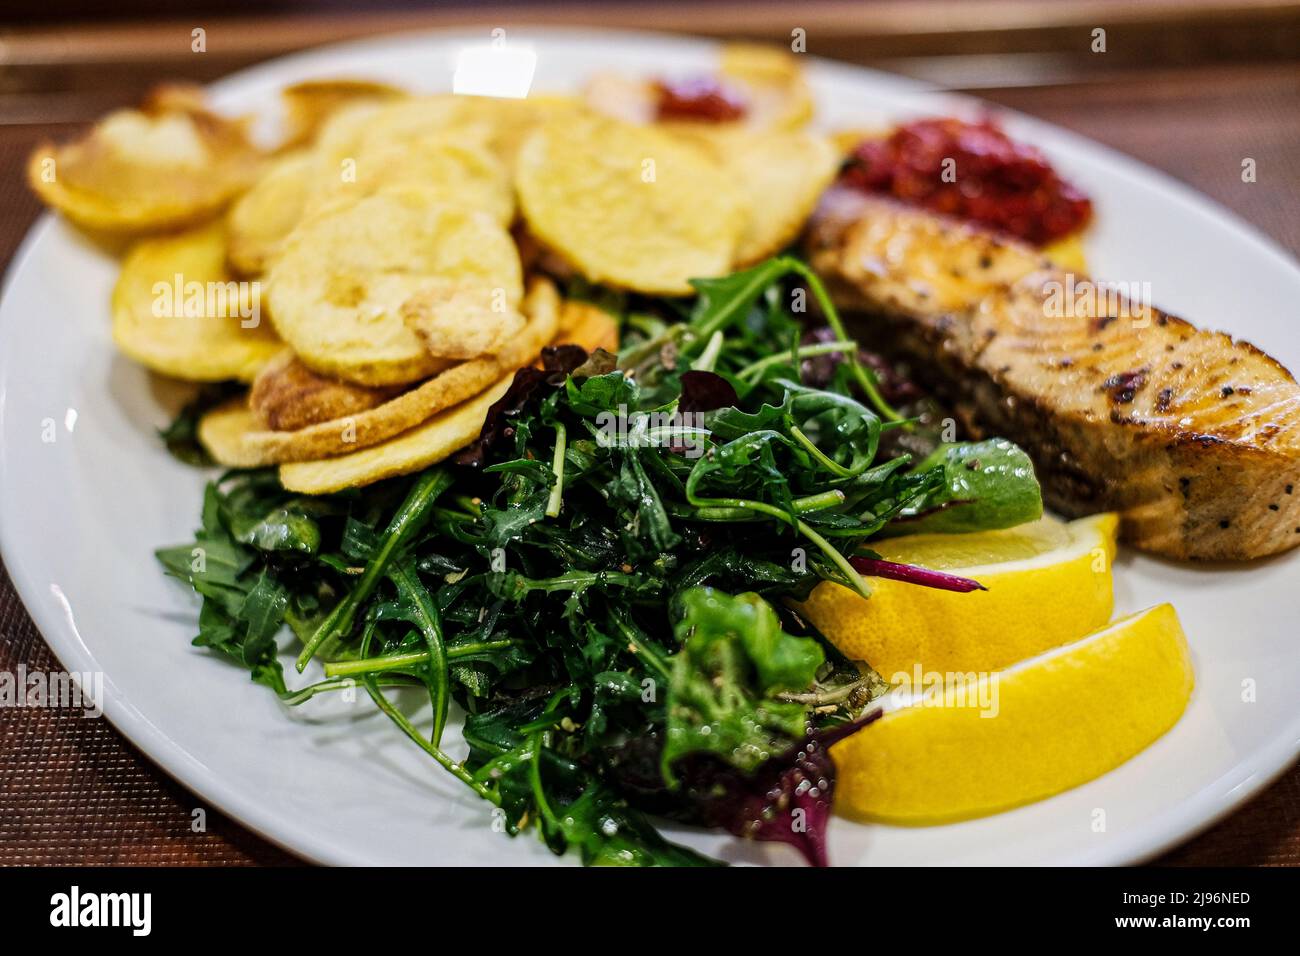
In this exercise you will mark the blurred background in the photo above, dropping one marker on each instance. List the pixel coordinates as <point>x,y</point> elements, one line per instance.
<point>1182,84</point>
<point>1188,86</point>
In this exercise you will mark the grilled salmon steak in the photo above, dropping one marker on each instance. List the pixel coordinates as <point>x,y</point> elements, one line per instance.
<point>1192,437</point>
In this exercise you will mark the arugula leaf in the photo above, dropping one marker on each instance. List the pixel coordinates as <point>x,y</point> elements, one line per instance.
<point>734,661</point>
<point>727,300</point>
<point>986,486</point>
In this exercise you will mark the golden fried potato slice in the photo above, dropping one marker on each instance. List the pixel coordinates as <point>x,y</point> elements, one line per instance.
<point>169,164</point>
<point>263,217</point>
<point>222,433</point>
<point>309,104</point>
<point>457,319</point>
<point>440,436</point>
<point>588,325</point>
<point>463,145</point>
<point>632,99</point>
<point>783,173</point>
<point>336,291</point>
<point>500,124</point>
<point>287,395</point>
<point>463,173</point>
<point>628,205</point>
<point>257,445</point>
<point>512,121</point>
<point>773,83</point>
<point>178,311</point>
<point>437,437</point>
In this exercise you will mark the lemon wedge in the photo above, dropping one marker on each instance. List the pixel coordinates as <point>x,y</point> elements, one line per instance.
<point>1048,582</point>
<point>991,742</point>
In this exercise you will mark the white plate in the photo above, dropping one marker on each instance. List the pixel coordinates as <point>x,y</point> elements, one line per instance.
<point>80,516</point>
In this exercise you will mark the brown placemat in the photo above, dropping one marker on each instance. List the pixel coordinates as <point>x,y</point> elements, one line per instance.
<point>73,791</point>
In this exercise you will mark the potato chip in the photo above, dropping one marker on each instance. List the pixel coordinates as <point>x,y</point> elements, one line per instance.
<point>263,217</point>
<point>414,450</point>
<point>514,120</point>
<point>309,104</point>
<point>632,99</point>
<point>336,291</point>
<point>783,174</point>
<point>287,395</point>
<point>773,83</point>
<point>433,440</point>
<point>465,173</point>
<point>177,310</point>
<point>499,124</point>
<point>628,205</point>
<point>166,165</point>
<point>222,433</point>
<point>461,320</point>
<point>347,433</point>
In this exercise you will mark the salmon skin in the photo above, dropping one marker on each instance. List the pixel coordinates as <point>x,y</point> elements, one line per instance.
<point>1192,437</point>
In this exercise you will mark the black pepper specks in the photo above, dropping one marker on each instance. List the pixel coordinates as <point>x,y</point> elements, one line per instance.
<point>1125,385</point>
<point>1225,523</point>
<point>1226,391</point>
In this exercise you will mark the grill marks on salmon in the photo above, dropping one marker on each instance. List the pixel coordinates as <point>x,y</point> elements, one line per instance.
<point>1193,437</point>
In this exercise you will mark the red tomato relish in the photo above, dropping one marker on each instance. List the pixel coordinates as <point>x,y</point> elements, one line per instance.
<point>999,183</point>
<point>699,98</point>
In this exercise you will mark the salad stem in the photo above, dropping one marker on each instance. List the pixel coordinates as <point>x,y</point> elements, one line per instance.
<point>410,659</point>
<point>453,767</point>
<point>835,468</point>
<point>866,379</point>
<point>557,465</point>
<point>302,695</point>
<point>840,562</point>
<point>410,518</point>
<point>912,574</point>
<point>754,369</point>
<point>709,357</point>
<point>639,647</point>
<point>429,621</point>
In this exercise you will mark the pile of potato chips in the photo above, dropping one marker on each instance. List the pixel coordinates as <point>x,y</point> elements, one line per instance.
<point>378,277</point>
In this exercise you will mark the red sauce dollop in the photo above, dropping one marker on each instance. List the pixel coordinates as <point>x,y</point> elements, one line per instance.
<point>699,98</point>
<point>997,182</point>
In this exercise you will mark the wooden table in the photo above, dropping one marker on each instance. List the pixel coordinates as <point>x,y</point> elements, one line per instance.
<point>73,791</point>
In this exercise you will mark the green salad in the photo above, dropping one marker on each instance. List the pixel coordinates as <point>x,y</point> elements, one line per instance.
<point>604,583</point>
